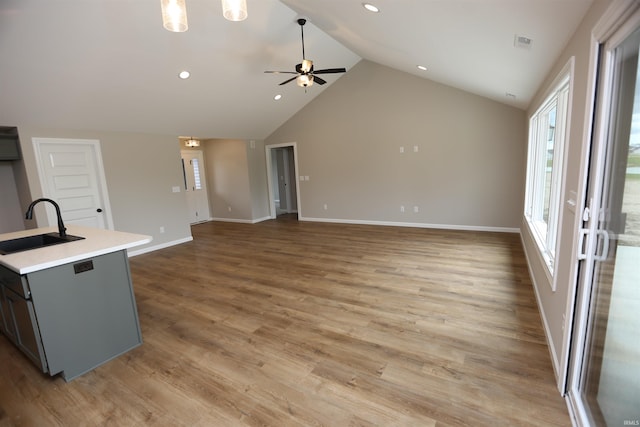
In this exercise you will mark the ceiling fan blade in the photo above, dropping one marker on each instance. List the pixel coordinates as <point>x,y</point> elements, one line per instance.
<point>281,72</point>
<point>318,80</point>
<point>287,81</point>
<point>330,71</point>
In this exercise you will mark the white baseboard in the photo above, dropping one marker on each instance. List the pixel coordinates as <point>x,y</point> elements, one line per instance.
<point>160,246</point>
<point>242,221</point>
<point>414,224</point>
<point>257,220</point>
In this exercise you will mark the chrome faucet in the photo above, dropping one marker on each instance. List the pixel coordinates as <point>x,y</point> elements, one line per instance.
<point>29,215</point>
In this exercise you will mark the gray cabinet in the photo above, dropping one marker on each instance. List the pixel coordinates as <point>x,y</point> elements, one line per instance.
<point>71,318</point>
<point>27,334</point>
<point>18,317</point>
<point>7,324</point>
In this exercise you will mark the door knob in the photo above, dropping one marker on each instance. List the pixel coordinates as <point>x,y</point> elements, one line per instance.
<point>98,210</point>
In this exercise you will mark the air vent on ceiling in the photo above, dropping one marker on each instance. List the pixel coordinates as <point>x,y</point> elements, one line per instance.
<point>522,42</point>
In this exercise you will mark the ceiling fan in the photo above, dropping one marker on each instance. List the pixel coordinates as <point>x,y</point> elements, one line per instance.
<point>305,74</point>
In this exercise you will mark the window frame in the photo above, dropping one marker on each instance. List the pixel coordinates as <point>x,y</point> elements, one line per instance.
<point>546,233</point>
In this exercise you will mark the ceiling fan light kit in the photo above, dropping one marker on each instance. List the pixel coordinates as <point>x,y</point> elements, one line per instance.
<point>306,65</point>
<point>304,80</point>
<point>305,75</point>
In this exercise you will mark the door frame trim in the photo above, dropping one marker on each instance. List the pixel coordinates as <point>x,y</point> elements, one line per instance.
<point>101,178</point>
<point>272,203</point>
<point>619,15</point>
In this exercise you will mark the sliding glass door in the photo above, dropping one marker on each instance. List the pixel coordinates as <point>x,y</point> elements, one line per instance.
<point>606,383</point>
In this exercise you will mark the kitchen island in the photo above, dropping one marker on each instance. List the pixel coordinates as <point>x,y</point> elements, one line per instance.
<point>70,307</point>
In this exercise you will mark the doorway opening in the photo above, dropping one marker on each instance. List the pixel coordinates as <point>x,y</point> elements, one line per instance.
<point>282,173</point>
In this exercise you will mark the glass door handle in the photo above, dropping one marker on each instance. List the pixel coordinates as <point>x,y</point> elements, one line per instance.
<point>605,245</point>
<point>602,235</point>
<point>582,247</point>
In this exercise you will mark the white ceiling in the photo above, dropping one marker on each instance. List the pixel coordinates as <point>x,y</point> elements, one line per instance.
<point>110,65</point>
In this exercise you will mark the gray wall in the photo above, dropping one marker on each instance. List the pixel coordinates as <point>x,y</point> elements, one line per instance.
<point>556,305</point>
<point>237,179</point>
<point>256,158</point>
<point>140,171</point>
<point>228,179</point>
<point>468,171</point>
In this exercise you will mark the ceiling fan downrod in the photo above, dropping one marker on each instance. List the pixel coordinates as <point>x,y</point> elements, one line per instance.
<point>306,66</point>
<point>301,22</point>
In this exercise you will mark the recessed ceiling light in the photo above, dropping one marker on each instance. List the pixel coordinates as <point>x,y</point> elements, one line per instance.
<point>184,75</point>
<point>422,67</point>
<point>277,97</point>
<point>370,7</point>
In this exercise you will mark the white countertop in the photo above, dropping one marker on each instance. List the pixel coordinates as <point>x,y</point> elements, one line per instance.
<point>96,242</point>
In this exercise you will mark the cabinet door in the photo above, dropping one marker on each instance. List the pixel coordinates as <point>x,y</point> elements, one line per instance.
<point>27,334</point>
<point>7,326</point>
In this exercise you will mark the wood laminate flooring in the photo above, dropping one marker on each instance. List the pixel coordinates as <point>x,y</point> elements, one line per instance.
<point>287,323</point>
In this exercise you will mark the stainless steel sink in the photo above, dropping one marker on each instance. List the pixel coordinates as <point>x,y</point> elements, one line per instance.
<point>34,242</point>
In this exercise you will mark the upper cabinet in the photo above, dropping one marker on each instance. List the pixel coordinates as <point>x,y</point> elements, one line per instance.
<point>9,143</point>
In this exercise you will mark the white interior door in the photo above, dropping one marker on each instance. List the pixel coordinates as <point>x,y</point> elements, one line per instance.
<point>71,173</point>
<point>195,186</point>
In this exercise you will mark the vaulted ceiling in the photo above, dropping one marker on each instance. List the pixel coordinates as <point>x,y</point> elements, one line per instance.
<point>110,65</point>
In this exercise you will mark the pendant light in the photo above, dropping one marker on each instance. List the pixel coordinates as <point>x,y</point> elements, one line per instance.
<point>174,15</point>
<point>234,10</point>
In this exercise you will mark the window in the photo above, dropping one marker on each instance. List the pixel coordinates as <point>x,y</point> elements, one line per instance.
<point>547,133</point>
<point>197,185</point>
<point>191,175</point>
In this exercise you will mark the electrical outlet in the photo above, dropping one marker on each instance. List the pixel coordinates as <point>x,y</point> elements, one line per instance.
<point>161,229</point>
<point>325,206</point>
<point>401,149</point>
<point>229,208</point>
<point>401,208</point>
<point>416,209</point>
